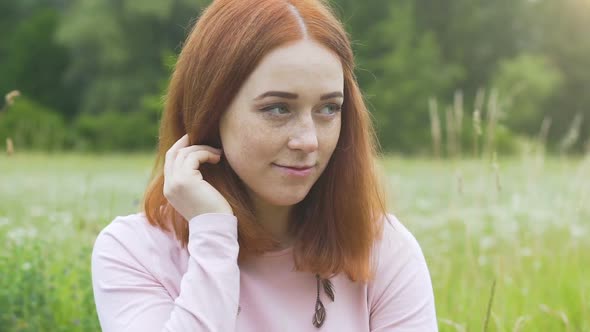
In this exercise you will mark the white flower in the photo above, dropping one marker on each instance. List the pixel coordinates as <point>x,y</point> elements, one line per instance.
<point>482,260</point>
<point>487,242</point>
<point>526,252</point>
<point>9,98</point>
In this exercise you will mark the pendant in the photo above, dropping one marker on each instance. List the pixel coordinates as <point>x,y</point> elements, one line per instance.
<point>320,314</point>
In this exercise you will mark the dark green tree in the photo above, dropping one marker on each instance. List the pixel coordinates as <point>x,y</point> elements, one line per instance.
<point>35,64</point>
<point>117,48</point>
<point>400,67</point>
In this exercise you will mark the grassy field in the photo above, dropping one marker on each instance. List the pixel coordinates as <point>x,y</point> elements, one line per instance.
<point>523,224</point>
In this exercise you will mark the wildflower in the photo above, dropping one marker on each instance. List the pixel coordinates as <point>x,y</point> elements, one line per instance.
<point>11,96</point>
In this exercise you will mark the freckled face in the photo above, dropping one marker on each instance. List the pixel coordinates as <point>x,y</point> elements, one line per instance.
<point>286,116</point>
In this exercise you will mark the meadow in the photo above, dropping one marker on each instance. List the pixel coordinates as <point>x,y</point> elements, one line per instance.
<point>506,241</point>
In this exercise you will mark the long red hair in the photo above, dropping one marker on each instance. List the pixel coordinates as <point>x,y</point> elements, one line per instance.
<point>337,223</point>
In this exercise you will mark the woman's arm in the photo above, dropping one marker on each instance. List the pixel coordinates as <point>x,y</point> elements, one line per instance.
<point>401,298</point>
<point>129,298</point>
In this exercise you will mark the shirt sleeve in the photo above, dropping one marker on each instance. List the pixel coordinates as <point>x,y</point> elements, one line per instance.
<point>401,298</point>
<point>129,298</point>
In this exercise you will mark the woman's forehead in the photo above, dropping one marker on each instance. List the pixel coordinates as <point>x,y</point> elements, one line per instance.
<point>304,65</point>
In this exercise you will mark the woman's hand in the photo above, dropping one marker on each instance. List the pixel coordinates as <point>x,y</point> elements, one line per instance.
<point>184,186</point>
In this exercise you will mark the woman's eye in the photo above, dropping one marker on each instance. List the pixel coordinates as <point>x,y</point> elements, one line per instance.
<point>330,109</point>
<point>276,109</point>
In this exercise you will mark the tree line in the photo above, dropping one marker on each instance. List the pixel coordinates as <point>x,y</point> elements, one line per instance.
<point>91,73</point>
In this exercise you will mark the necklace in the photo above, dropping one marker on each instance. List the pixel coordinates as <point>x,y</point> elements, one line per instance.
<point>320,311</point>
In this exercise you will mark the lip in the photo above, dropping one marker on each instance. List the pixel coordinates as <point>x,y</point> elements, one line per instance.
<point>295,171</point>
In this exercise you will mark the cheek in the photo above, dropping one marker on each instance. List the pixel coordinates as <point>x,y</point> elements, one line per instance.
<point>330,137</point>
<point>248,146</point>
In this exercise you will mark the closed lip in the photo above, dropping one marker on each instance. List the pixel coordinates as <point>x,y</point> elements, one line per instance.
<point>297,167</point>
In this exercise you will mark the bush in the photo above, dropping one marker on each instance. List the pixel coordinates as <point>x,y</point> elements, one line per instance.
<point>525,84</point>
<point>32,126</point>
<point>113,131</point>
<point>505,141</point>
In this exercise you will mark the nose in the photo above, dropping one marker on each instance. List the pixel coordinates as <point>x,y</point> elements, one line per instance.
<point>305,136</point>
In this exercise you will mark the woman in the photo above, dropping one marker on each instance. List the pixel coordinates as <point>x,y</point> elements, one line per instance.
<point>265,212</point>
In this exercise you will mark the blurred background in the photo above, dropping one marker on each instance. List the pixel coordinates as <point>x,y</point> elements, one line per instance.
<point>89,71</point>
<point>482,109</point>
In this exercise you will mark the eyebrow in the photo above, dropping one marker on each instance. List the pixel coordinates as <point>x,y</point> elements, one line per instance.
<point>289,95</point>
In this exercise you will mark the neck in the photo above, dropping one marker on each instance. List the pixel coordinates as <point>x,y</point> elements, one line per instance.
<point>274,219</point>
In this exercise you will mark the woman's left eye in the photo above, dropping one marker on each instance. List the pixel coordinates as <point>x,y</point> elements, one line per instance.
<point>331,109</point>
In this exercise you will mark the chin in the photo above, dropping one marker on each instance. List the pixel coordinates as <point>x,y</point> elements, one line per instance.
<point>285,199</point>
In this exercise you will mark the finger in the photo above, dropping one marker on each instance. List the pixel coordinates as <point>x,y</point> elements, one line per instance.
<point>182,153</point>
<point>194,160</point>
<point>172,152</point>
<point>179,144</point>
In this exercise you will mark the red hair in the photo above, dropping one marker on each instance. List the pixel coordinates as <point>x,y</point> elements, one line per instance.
<point>337,223</point>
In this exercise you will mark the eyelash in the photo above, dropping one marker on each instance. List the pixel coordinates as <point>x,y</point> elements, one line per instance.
<point>336,108</point>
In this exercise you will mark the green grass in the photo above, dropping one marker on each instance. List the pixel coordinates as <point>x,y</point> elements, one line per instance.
<point>526,226</point>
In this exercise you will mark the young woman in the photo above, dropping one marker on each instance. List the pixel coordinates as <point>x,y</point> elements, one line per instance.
<point>265,212</point>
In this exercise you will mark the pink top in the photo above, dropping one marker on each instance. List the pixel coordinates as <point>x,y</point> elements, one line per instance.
<point>144,281</point>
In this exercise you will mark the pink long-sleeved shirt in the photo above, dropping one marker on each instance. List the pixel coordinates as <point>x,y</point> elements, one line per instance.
<point>145,281</point>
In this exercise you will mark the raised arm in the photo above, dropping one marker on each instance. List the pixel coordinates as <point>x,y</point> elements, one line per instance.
<point>129,298</point>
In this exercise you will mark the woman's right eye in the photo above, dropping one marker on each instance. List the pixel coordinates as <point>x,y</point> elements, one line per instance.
<point>276,109</point>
